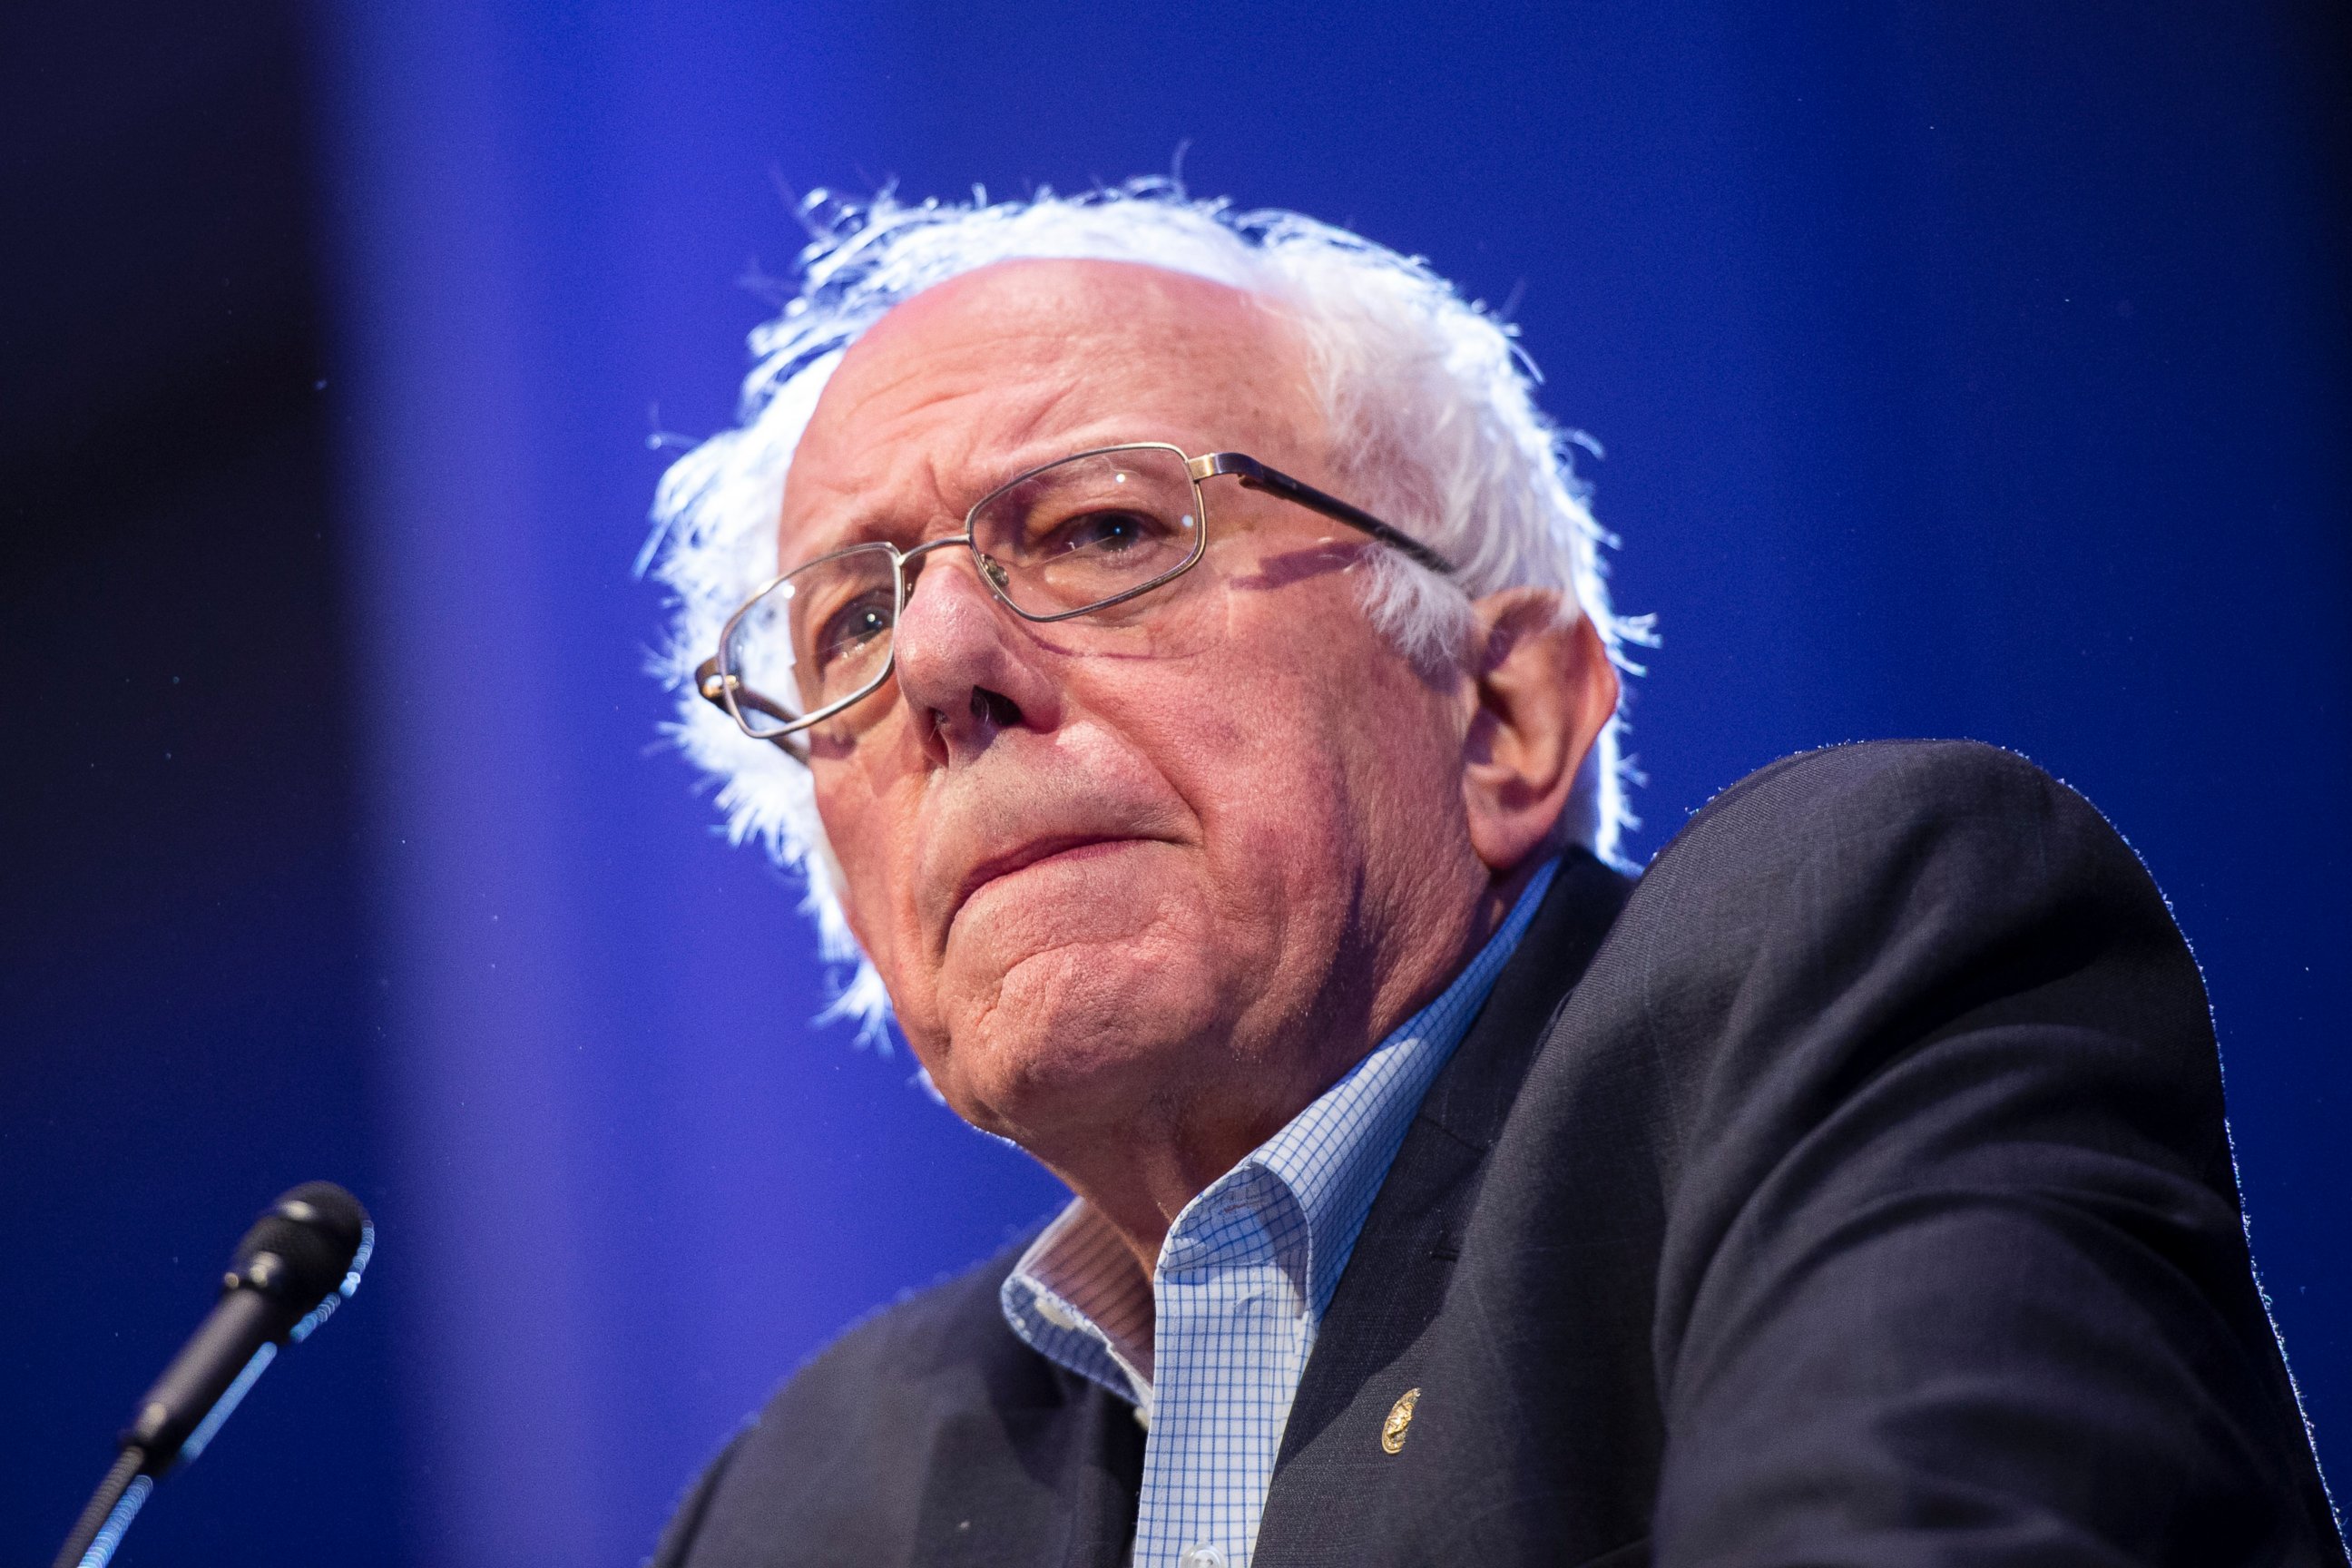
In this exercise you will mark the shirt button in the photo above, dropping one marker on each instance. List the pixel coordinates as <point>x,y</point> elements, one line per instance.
<point>1203,1557</point>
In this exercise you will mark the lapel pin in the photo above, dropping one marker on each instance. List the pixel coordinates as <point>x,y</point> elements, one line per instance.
<point>1392,1430</point>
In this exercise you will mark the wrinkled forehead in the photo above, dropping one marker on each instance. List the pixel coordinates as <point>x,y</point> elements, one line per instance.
<point>1016,363</point>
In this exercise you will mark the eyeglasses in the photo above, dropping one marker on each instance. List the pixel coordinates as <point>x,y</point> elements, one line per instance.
<point>1071,538</point>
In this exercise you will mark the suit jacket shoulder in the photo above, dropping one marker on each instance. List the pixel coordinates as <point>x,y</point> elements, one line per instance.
<point>1867,1200</point>
<point>928,1433</point>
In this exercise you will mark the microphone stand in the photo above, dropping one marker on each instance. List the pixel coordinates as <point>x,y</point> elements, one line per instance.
<point>299,1262</point>
<point>111,1508</point>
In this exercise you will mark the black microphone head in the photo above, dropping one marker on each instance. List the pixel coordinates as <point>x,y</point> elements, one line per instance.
<point>311,1244</point>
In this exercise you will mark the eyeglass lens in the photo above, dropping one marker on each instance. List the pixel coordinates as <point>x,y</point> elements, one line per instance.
<point>1061,540</point>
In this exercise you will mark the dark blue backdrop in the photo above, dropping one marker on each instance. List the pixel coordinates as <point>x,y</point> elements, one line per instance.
<point>1981,373</point>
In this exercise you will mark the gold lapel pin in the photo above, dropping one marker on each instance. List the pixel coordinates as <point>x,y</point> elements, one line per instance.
<point>1392,1430</point>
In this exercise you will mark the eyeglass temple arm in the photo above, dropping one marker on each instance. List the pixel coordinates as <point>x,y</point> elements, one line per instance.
<point>711,686</point>
<point>1256,476</point>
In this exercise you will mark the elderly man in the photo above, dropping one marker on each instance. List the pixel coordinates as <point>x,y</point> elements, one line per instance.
<point>1189,685</point>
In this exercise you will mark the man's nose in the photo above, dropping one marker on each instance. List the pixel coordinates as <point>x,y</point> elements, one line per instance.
<point>967,668</point>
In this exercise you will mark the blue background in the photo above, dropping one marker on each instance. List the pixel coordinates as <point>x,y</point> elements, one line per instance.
<point>1976,370</point>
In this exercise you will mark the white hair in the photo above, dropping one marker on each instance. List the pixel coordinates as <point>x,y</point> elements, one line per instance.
<point>1429,397</point>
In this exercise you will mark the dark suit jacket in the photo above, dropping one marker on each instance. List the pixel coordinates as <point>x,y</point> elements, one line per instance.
<point>1853,1190</point>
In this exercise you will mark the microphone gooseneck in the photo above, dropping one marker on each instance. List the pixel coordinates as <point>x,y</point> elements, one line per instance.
<point>300,1261</point>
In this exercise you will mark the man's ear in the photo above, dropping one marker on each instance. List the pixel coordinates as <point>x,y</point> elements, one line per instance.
<point>1542,687</point>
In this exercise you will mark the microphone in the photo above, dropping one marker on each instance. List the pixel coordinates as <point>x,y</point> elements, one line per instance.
<point>300,1261</point>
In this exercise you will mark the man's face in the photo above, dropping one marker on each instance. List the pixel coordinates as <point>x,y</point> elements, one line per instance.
<point>1162,863</point>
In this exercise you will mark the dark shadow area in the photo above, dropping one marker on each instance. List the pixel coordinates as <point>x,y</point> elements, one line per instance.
<point>184,1026</point>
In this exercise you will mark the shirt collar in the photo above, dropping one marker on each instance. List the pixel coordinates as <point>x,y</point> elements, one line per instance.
<point>1334,1155</point>
<point>1076,1295</point>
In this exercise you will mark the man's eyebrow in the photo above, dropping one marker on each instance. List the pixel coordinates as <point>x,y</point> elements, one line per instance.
<point>869,525</point>
<point>870,522</point>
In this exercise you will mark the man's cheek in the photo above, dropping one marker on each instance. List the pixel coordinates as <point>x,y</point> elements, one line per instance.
<point>908,975</point>
<point>882,918</point>
<point>874,896</point>
<point>1270,810</point>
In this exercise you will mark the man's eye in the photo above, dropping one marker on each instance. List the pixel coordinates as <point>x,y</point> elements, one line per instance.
<point>1105,533</point>
<point>853,626</point>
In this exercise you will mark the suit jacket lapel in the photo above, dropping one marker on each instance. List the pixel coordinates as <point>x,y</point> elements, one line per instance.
<point>1395,1280</point>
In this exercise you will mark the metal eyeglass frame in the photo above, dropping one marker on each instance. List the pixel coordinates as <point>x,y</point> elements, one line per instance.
<point>726,691</point>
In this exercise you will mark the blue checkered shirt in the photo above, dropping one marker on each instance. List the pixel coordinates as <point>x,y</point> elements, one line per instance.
<point>1210,1349</point>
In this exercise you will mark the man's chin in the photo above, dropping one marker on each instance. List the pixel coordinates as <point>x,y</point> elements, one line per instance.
<point>1072,1039</point>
